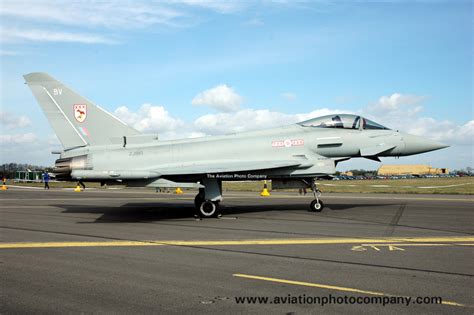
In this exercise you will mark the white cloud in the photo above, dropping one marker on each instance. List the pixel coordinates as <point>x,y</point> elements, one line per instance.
<point>18,138</point>
<point>402,112</point>
<point>220,6</point>
<point>38,35</point>
<point>110,14</point>
<point>246,119</point>
<point>251,119</point>
<point>397,111</point>
<point>444,131</point>
<point>37,148</point>
<point>10,121</point>
<point>48,20</point>
<point>397,102</point>
<point>221,97</point>
<point>39,21</point>
<point>152,119</point>
<point>156,119</point>
<point>289,96</point>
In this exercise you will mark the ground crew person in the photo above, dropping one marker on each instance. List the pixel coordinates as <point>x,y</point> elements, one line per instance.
<point>46,180</point>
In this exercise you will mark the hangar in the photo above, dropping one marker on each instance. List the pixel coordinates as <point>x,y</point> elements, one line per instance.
<point>388,170</point>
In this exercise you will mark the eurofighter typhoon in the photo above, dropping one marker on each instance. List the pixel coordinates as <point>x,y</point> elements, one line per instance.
<point>101,148</point>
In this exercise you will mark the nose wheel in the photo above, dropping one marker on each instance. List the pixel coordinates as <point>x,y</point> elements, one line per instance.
<point>317,204</point>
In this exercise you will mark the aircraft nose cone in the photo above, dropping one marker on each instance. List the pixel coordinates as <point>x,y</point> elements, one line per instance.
<point>416,144</point>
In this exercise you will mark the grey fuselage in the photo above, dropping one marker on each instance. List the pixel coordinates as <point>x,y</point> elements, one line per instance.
<point>317,150</point>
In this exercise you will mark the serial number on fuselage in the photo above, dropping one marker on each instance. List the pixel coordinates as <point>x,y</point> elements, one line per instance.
<point>135,153</point>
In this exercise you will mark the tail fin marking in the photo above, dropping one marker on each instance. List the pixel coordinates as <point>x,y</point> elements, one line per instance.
<point>75,120</point>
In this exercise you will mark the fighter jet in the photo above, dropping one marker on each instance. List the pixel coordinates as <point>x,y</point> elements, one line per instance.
<point>100,147</point>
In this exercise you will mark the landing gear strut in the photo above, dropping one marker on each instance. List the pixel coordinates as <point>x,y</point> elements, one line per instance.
<point>208,198</point>
<point>199,199</point>
<point>317,204</point>
<point>82,184</point>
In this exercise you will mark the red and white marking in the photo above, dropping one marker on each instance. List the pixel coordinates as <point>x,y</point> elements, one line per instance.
<point>287,143</point>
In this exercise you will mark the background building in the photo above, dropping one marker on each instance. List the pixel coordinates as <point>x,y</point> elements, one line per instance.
<point>348,173</point>
<point>387,170</point>
<point>28,176</point>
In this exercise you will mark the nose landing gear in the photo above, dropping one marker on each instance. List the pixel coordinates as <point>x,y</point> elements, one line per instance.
<point>317,204</point>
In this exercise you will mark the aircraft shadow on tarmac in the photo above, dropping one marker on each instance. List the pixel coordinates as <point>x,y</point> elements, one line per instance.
<point>154,211</point>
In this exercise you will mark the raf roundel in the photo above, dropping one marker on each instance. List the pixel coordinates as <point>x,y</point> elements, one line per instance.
<point>80,112</point>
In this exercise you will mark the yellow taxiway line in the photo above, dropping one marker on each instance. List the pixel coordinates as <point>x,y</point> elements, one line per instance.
<point>330,287</point>
<point>291,241</point>
<point>420,244</point>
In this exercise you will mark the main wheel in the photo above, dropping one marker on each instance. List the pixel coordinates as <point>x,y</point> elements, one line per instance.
<point>316,205</point>
<point>208,209</point>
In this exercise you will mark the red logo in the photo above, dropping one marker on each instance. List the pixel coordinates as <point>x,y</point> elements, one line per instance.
<point>80,112</point>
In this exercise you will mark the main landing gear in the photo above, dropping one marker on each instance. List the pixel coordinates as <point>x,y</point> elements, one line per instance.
<point>208,198</point>
<point>317,204</point>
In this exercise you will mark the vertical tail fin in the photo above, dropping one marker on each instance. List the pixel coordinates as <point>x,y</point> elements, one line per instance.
<point>75,120</point>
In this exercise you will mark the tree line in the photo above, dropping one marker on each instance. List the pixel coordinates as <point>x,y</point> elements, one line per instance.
<point>8,170</point>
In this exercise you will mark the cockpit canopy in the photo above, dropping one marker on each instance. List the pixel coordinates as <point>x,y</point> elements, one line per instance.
<point>344,121</point>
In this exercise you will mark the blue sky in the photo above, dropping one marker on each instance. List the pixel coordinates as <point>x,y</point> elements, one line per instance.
<point>194,68</point>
